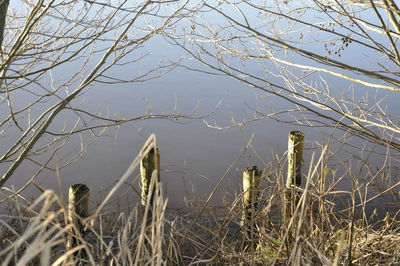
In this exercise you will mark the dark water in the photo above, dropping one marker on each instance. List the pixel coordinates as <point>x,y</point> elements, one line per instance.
<point>194,156</point>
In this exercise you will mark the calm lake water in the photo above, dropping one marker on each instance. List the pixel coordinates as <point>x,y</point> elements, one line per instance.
<point>194,156</point>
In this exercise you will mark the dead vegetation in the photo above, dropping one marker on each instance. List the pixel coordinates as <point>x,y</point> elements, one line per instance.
<point>318,233</point>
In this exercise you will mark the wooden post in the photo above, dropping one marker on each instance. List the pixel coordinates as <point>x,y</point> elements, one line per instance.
<point>149,163</point>
<point>78,209</point>
<point>295,162</point>
<point>251,192</point>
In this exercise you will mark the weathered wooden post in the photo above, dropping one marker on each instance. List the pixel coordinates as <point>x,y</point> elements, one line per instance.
<point>251,192</point>
<point>78,209</point>
<point>295,162</point>
<point>149,164</point>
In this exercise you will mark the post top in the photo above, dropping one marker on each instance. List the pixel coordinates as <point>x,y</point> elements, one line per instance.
<point>79,188</point>
<point>296,133</point>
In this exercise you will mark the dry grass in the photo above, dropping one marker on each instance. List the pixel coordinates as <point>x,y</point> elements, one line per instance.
<point>318,233</point>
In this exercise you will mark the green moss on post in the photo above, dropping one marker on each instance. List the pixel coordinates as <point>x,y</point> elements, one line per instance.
<point>149,164</point>
<point>251,192</point>
<point>295,158</point>
<point>78,209</point>
<point>295,162</point>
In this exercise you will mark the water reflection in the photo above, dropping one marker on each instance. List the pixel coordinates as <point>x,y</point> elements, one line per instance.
<point>193,156</point>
